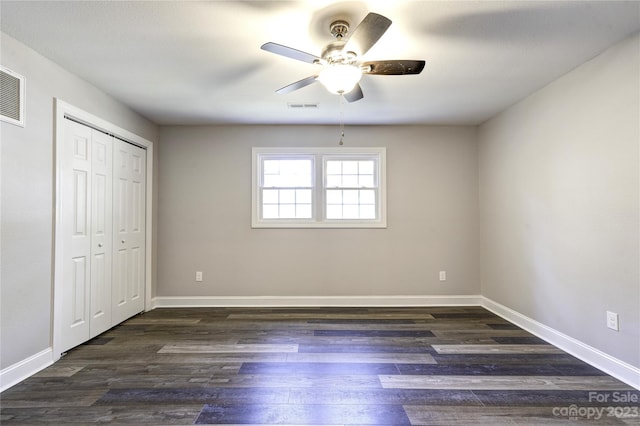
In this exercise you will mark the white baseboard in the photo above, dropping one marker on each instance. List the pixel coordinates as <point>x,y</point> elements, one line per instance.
<point>19,371</point>
<point>314,301</point>
<point>595,357</point>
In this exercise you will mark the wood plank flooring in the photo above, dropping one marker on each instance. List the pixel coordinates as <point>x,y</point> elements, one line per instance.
<point>319,366</point>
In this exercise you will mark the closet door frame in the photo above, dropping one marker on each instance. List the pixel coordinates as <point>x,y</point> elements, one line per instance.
<point>62,111</point>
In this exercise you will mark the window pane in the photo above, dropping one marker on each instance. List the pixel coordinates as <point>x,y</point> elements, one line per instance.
<point>334,167</point>
<point>349,181</point>
<point>365,167</point>
<point>270,211</point>
<point>271,167</point>
<point>350,174</point>
<point>303,211</point>
<point>287,204</point>
<point>350,197</point>
<point>367,196</point>
<point>270,196</point>
<point>367,212</point>
<point>334,197</point>
<point>271,181</point>
<point>286,173</point>
<point>334,211</point>
<point>350,212</point>
<point>351,204</point>
<point>303,196</point>
<point>287,211</point>
<point>298,172</point>
<point>365,181</point>
<point>287,196</point>
<point>350,167</point>
<point>334,181</point>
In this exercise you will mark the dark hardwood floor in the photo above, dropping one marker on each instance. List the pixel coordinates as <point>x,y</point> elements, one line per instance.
<point>319,366</point>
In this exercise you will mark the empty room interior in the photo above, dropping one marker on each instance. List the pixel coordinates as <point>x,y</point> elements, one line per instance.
<point>320,212</point>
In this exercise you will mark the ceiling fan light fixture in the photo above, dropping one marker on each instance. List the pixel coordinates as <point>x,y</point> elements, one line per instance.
<point>342,68</point>
<point>340,78</point>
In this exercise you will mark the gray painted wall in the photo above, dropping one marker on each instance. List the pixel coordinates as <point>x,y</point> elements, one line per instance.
<point>27,185</point>
<point>205,217</point>
<point>559,192</point>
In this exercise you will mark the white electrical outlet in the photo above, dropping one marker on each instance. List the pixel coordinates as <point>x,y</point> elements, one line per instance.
<point>612,321</point>
<point>443,275</point>
<point>199,276</point>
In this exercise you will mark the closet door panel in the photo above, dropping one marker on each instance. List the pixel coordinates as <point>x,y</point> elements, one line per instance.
<point>101,232</point>
<point>129,225</point>
<point>74,193</point>
<point>137,235</point>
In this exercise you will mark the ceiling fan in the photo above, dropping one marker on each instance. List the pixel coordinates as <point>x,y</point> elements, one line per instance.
<point>342,68</point>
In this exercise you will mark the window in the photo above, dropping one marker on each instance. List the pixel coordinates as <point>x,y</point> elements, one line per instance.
<point>287,185</point>
<point>318,187</point>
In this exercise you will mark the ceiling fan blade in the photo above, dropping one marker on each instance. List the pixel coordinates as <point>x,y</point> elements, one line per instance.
<point>297,85</point>
<point>392,67</point>
<point>290,52</point>
<point>355,94</point>
<point>367,33</point>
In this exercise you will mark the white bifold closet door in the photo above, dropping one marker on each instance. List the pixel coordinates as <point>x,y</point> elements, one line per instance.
<point>101,205</point>
<point>129,230</point>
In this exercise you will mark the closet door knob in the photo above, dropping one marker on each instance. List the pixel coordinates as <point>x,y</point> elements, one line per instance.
<point>99,245</point>
<point>122,241</point>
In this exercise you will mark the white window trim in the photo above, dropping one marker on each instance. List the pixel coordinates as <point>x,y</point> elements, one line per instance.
<point>318,190</point>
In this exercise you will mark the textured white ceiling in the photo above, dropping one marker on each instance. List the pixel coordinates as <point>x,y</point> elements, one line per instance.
<point>192,62</point>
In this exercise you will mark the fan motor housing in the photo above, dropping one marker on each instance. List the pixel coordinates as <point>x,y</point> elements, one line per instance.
<point>333,52</point>
<point>339,29</point>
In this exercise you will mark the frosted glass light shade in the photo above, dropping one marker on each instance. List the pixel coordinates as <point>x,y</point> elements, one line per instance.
<point>340,78</point>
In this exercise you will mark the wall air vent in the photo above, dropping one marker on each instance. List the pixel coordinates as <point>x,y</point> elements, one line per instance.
<point>302,106</point>
<point>11,97</point>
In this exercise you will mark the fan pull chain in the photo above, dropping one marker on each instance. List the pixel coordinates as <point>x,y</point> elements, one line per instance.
<point>341,142</point>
